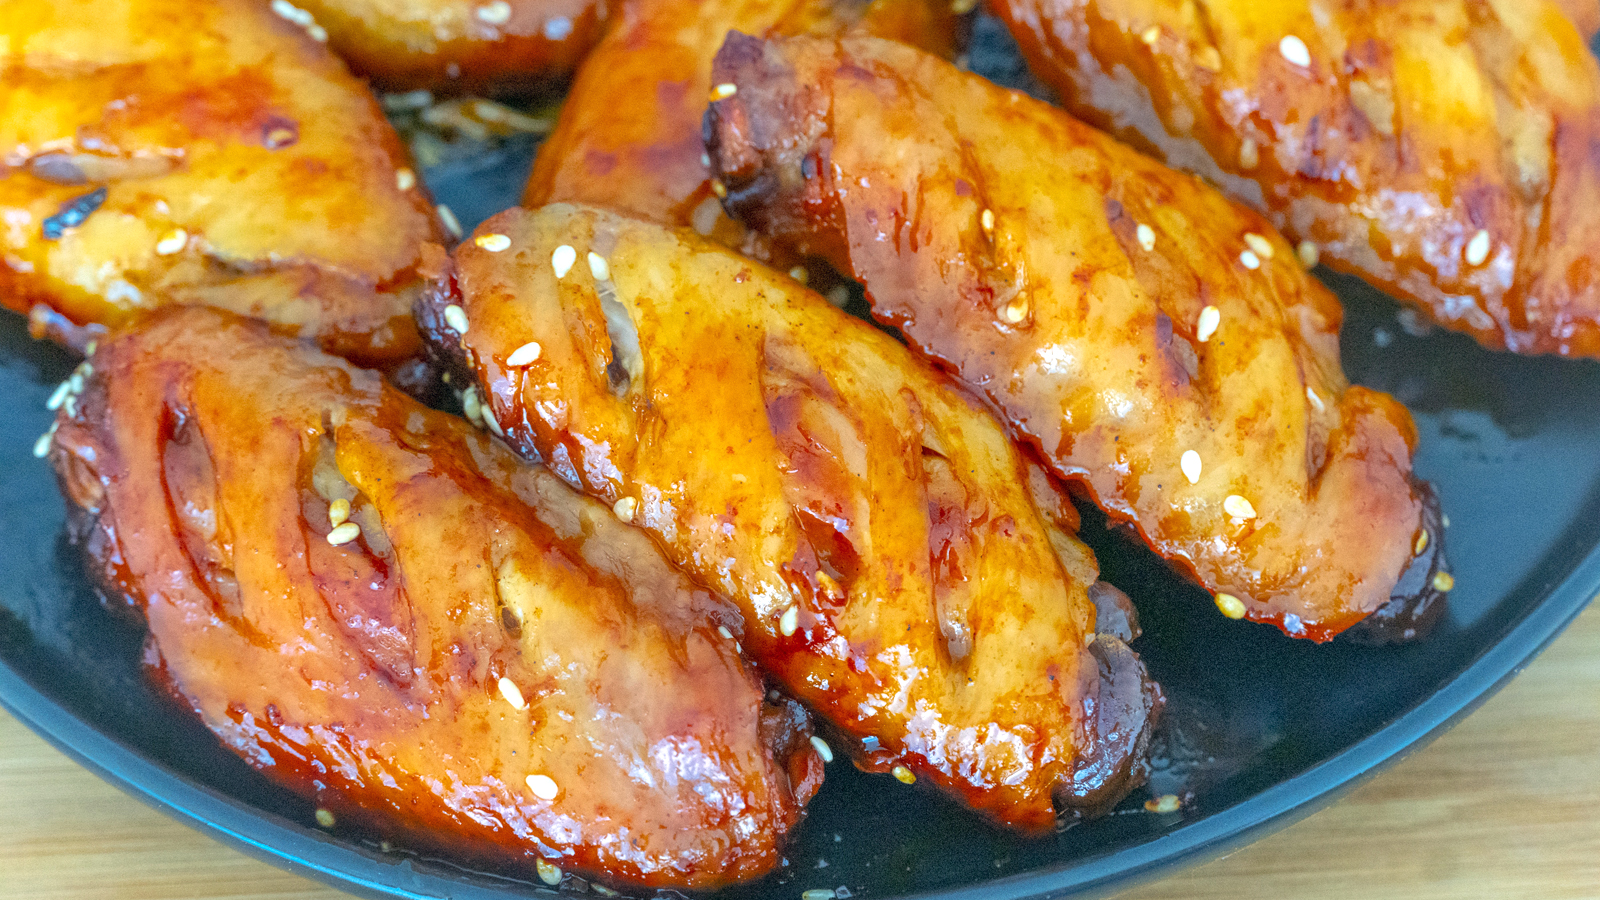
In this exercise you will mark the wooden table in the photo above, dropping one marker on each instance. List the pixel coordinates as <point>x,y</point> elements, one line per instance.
<point>1505,806</point>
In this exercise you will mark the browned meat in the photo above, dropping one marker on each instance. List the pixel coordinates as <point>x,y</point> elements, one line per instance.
<point>379,606</point>
<point>872,522</point>
<point>1448,151</point>
<point>1155,343</point>
<point>200,151</point>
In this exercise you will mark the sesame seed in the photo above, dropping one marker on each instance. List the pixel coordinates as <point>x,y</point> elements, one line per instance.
<point>1250,260</point>
<point>525,355</point>
<point>1151,35</point>
<point>543,786</point>
<point>1238,507</point>
<point>344,533</point>
<point>41,447</point>
<point>903,775</point>
<point>1208,58</point>
<point>448,219</point>
<point>830,587</point>
<point>1166,803</point>
<point>705,160</point>
<point>89,350</point>
<point>962,7</point>
<point>1190,464</point>
<point>1478,248</point>
<point>338,512</point>
<point>987,220</point>
<point>496,13</point>
<point>405,179</point>
<point>1316,402</point>
<point>324,817</point>
<point>1206,325</point>
<point>718,188</point>
<point>602,890</point>
<point>726,634</point>
<point>472,406</point>
<point>1259,244</point>
<point>493,243</point>
<point>818,894</point>
<point>838,295</point>
<point>1249,154</point>
<point>822,748</point>
<point>625,508</point>
<point>1017,309</point>
<point>562,260</point>
<point>599,268</point>
<point>512,693</point>
<point>1231,606</point>
<point>549,873</point>
<point>1422,542</point>
<point>1307,251</point>
<point>1295,51</point>
<point>723,91</point>
<point>799,273</point>
<point>62,391</point>
<point>172,242</point>
<point>1146,236</point>
<point>456,318</point>
<point>789,621</point>
<point>1443,581</point>
<point>1088,639</point>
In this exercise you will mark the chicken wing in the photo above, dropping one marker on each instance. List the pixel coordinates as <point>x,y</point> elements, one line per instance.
<point>628,137</point>
<point>380,607</point>
<point>872,522</point>
<point>1155,343</point>
<point>171,151</point>
<point>478,46</point>
<point>1448,151</point>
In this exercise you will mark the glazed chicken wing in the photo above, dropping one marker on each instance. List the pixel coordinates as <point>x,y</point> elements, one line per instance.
<point>1152,341</point>
<point>172,151</point>
<point>378,606</point>
<point>872,522</point>
<point>480,46</point>
<point>1448,151</point>
<point>629,134</point>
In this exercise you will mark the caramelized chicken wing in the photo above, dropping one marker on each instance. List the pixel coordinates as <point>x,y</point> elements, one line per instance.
<point>628,137</point>
<point>207,152</point>
<point>1155,343</point>
<point>1448,151</point>
<point>379,606</point>
<point>872,522</point>
<point>481,46</point>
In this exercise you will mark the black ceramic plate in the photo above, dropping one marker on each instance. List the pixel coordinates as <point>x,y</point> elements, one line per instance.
<point>1261,730</point>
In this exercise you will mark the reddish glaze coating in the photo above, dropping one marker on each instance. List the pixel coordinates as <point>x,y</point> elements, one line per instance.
<point>1448,151</point>
<point>240,166</point>
<point>629,134</point>
<point>872,522</point>
<point>202,459</point>
<point>478,46</point>
<point>1067,279</point>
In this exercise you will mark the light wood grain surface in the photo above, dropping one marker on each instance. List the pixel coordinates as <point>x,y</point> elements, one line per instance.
<point>1505,806</point>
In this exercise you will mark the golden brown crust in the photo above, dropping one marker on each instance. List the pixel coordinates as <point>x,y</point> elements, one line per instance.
<point>1448,152</point>
<point>873,523</point>
<point>203,457</point>
<point>1153,341</point>
<point>218,155</point>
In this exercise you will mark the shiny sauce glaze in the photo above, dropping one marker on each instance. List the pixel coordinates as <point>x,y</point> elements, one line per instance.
<point>384,609</point>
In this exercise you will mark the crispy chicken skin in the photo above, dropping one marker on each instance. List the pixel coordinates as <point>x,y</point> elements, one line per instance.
<point>493,665</point>
<point>872,522</point>
<point>1155,343</point>
<point>628,138</point>
<point>200,151</point>
<point>451,46</point>
<point>1448,151</point>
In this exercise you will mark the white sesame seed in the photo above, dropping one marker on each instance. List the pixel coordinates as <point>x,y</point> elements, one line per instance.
<point>1146,236</point>
<point>89,350</point>
<point>448,219</point>
<point>172,242</point>
<point>1421,544</point>
<point>1206,325</point>
<point>456,318</point>
<point>1443,581</point>
<point>543,786</point>
<point>405,179</point>
<point>62,391</point>
<point>1166,803</point>
<point>1190,464</point>
<point>1238,507</point>
<point>962,7</point>
<point>1250,260</point>
<point>1249,154</point>
<point>324,817</point>
<point>602,890</point>
<point>903,775</point>
<point>830,587</point>
<point>625,508</point>
<point>1231,606</point>
<point>789,621</point>
<point>496,13</point>
<point>1088,639</point>
<point>1017,309</point>
<point>472,406</point>
<point>726,634</point>
<point>41,447</point>
<point>822,748</point>
<point>1259,244</point>
<point>338,512</point>
<point>1295,51</point>
<point>1151,35</point>
<point>493,243</point>
<point>525,355</point>
<point>799,273</point>
<point>489,421</point>
<point>818,894</point>
<point>724,90</point>
<point>705,160</point>
<point>562,260</point>
<point>549,873</point>
<point>344,533</point>
<point>598,267</point>
<point>317,32</point>
<point>1308,254</point>
<point>1316,402</point>
<point>718,188</point>
<point>838,296</point>
<point>512,693</point>
<point>986,219</point>
<point>1478,248</point>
